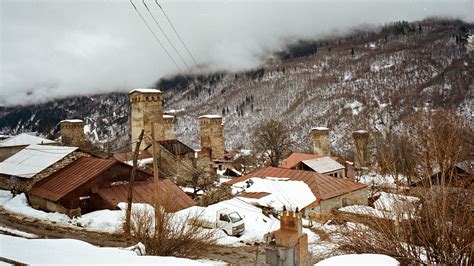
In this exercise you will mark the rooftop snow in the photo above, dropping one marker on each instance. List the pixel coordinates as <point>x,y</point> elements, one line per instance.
<point>282,193</point>
<point>320,128</point>
<point>24,139</point>
<point>141,90</point>
<point>73,121</point>
<point>33,159</point>
<point>323,165</point>
<point>168,116</point>
<point>210,116</point>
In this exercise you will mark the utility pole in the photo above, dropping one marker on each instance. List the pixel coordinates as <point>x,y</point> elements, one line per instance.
<point>130,183</point>
<point>156,179</point>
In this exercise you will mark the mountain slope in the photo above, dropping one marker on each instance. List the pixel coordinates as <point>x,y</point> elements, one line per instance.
<point>369,80</point>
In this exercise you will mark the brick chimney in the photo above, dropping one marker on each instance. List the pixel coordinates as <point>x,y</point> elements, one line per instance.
<point>288,245</point>
<point>321,143</point>
<point>72,132</point>
<point>361,148</point>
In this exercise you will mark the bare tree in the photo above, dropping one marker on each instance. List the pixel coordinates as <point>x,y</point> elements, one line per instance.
<point>199,177</point>
<point>272,139</point>
<point>167,234</point>
<point>440,227</point>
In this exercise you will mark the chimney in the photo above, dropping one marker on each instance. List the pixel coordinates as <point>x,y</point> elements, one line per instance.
<point>212,135</point>
<point>321,144</point>
<point>72,132</point>
<point>361,152</point>
<point>287,245</point>
<point>168,121</point>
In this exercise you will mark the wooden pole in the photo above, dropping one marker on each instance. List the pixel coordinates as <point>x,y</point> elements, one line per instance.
<point>130,183</point>
<point>156,178</point>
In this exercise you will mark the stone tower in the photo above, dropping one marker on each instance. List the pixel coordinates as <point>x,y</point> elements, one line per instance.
<point>147,110</point>
<point>321,143</point>
<point>361,152</point>
<point>168,127</point>
<point>72,132</point>
<point>212,135</point>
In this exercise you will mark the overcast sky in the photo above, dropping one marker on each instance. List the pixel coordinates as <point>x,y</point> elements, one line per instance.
<point>56,48</point>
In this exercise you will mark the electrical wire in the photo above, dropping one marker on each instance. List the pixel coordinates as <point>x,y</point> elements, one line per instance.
<point>156,37</point>
<point>176,32</point>
<point>166,36</point>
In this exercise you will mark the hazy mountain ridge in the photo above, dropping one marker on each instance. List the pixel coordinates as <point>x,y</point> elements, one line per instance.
<point>389,75</point>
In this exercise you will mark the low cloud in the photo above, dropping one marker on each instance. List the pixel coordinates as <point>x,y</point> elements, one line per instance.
<point>52,49</point>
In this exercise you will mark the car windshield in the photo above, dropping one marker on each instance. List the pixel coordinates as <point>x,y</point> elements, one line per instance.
<point>235,217</point>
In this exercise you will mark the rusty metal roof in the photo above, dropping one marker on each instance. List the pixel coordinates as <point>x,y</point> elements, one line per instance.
<point>173,198</point>
<point>297,157</point>
<point>176,147</point>
<point>322,186</point>
<point>70,177</point>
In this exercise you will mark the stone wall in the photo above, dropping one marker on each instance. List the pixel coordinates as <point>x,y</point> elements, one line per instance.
<point>212,135</point>
<point>168,127</point>
<point>361,148</point>
<point>321,143</point>
<point>358,197</point>
<point>147,109</point>
<point>72,133</point>
<point>49,206</point>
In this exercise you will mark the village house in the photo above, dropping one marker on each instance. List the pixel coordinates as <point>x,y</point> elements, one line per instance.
<point>458,175</point>
<point>313,162</point>
<point>33,163</point>
<point>91,184</point>
<point>14,144</point>
<point>329,192</point>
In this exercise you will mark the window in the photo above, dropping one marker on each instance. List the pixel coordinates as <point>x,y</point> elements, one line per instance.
<point>224,217</point>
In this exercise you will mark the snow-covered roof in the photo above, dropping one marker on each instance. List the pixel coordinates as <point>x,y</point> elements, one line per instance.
<point>320,128</point>
<point>361,131</point>
<point>282,193</point>
<point>210,116</point>
<point>33,159</point>
<point>141,90</point>
<point>73,121</point>
<point>323,165</point>
<point>168,116</point>
<point>24,139</point>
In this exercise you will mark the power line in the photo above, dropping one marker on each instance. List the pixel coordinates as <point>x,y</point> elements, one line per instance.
<point>166,36</point>
<point>156,38</point>
<point>176,32</point>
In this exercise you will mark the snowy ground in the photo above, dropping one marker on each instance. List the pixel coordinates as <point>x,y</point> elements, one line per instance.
<point>110,221</point>
<point>359,259</point>
<point>69,251</point>
<point>388,205</point>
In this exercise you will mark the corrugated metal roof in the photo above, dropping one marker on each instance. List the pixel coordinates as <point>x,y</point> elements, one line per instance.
<point>323,165</point>
<point>173,198</point>
<point>175,146</point>
<point>322,186</point>
<point>70,177</point>
<point>33,159</point>
<point>297,157</point>
<point>24,139</point>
